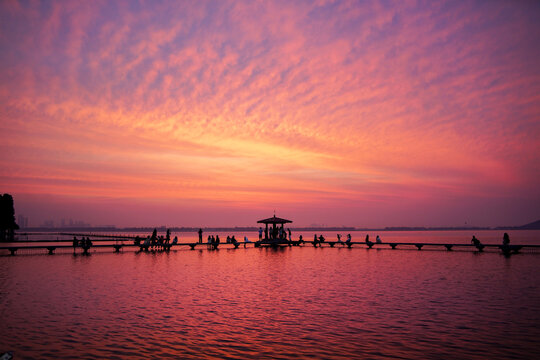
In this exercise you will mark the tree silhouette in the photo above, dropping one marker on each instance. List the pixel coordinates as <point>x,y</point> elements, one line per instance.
<point>7,218</point>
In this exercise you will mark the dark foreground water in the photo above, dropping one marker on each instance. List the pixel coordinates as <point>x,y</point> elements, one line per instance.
<point>291,303</point>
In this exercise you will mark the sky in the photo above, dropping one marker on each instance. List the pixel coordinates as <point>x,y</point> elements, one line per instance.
<point>218,113</point>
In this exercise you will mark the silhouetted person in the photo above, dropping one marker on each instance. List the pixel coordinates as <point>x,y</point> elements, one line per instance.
<point>200,236</point>
<point>321,239</point>
<point>315,240</point>
<point>217,242</point>
<point>300,239</point>
<point>168,237</point>
<point>290,235</point>
<point>506,239</point>
<point>475,241</point>
<point>75,243</point>
<point>368,242</point>
<point>175,240</point>
<point>87,244</point>
<point>153,239</point>
<point>260,233</point>
<point>378,240</point>
<point>349,238</point>
<point>137,240</point>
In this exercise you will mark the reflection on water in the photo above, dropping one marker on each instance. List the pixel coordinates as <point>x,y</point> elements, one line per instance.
<point>271,303</point>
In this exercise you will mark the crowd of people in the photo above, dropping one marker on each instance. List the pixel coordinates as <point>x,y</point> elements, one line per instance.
<point>164,242</point>
<point>156,242</point>
<point>84,243</point>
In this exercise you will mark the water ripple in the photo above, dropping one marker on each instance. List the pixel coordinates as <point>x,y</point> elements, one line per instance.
<point>301,303</point>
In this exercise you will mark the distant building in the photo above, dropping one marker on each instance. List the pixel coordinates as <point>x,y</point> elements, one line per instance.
<point>48,224</point>
<point>22,221</point>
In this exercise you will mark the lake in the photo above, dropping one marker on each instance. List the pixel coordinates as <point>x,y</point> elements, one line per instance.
<point>292,302</point>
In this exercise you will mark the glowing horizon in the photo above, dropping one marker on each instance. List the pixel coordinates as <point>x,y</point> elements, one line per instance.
<point>214,113</point>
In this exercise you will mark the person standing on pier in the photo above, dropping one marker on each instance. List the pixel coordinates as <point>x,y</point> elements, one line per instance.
<point>290,236</point>
<point>260,233</point>
<point>378,240</point>
<point>75,243</point>
<point>153,239</point>
<point>200,236</point>
<point>348,239</point>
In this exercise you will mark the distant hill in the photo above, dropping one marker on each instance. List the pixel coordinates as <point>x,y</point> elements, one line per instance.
<point>531,226</point>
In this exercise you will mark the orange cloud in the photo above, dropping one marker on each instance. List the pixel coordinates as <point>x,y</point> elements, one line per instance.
<point>256,104</point>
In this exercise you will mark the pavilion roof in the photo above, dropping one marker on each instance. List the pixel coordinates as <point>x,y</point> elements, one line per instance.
<point>274,220</point>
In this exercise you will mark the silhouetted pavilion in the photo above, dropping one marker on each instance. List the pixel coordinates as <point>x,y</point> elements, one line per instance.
<point>275,222</point>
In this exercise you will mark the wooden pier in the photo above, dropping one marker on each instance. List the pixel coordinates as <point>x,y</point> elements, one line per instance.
<point>506,249</point>
<point>50,246</point>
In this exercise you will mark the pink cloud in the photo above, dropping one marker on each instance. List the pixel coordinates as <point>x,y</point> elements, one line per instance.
<point>244,103</point>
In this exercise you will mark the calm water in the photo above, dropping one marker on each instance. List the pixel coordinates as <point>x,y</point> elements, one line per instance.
<point>287,303</point>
